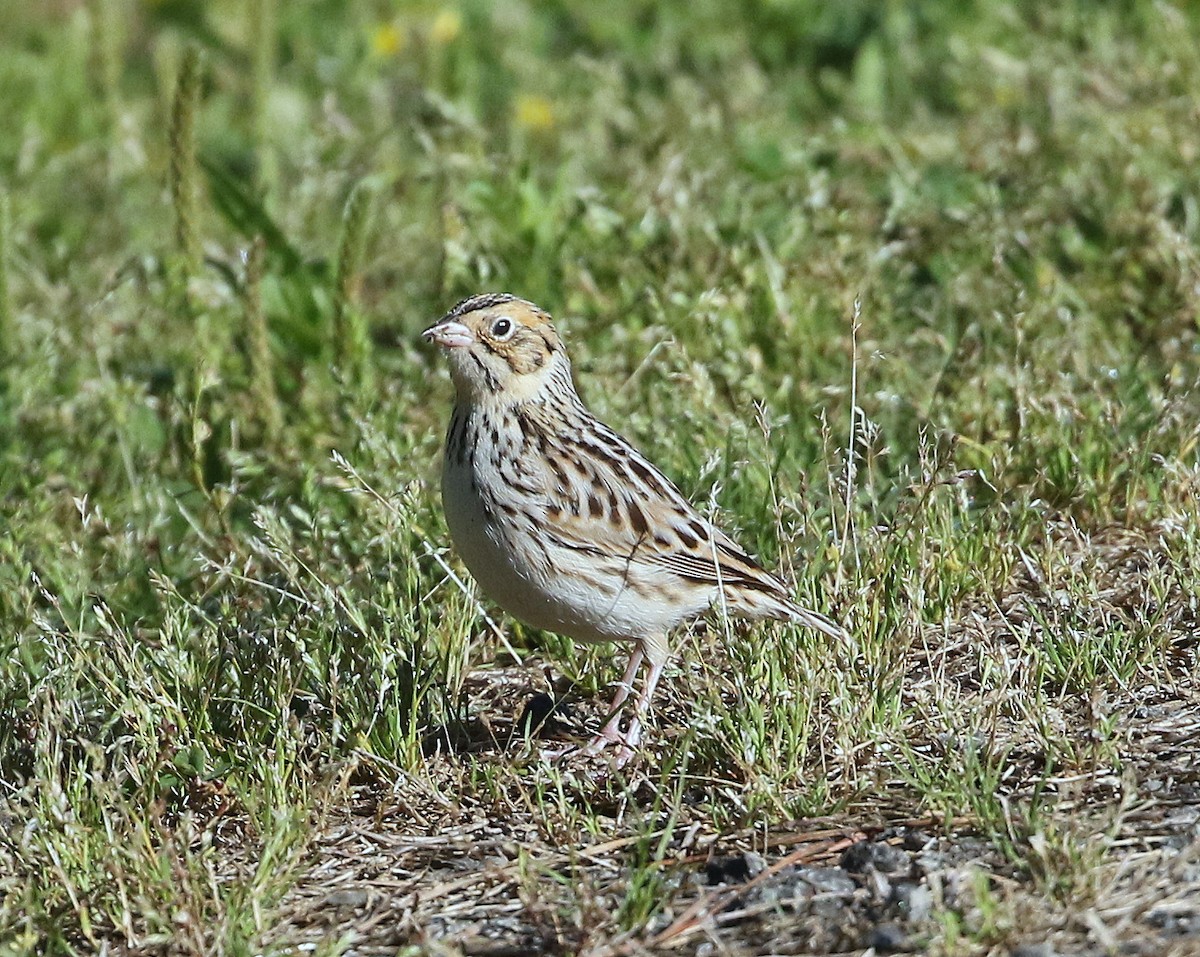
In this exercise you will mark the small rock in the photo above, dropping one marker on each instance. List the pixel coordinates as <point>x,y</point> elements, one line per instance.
<point>828,908</point>
<point>1034,950</point>
<point>734,869</point>
<point>883,857</point>
<point>829,880</point>
<point>1183,924</point>
<point>878,884</point>
<point>914,901</point>
<point>786,888</point>
<point>915,840</point>
<point>888,938</point>
<point>348,897</point>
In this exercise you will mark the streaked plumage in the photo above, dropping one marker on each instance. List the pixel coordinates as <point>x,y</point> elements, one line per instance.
<point>561,521</point>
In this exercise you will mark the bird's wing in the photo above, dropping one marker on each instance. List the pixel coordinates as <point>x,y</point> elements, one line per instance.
<point>606,499</point>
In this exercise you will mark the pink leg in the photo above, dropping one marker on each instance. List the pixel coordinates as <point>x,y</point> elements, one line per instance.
<point>634,735</point>
<point>611,732</point>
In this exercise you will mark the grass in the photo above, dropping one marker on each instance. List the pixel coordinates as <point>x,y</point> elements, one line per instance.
<point>904,294</point>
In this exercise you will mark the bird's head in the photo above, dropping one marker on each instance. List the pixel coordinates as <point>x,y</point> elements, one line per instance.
<point>501,349</point>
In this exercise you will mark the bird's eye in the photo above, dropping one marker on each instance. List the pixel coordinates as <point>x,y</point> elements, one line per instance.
<point>502,328</point>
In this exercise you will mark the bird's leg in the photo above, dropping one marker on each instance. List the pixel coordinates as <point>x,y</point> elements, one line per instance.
<point>611,732</point>
<point>634,735</point>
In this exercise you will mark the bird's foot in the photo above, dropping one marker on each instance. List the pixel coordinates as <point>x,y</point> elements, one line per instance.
<point>609,737</point>
<point>611,734</point>
<point>623,754</point>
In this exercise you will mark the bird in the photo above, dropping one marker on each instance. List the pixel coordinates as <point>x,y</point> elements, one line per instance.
<point>568,527</point>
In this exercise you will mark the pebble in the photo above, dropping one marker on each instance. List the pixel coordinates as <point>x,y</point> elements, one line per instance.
<point>914,901</point>
<point>883,857</point>
<point>832,909</point>
<point>829,880</point>
<point>915,840</point>
<point>1185,924</point>
<point>1034,950</point>
<point>350,897</point>
<point>878,884</point>
<point>734,869</point>
<point>887,938</point>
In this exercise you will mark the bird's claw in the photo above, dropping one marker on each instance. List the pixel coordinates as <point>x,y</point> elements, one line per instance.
<point>626,748</point>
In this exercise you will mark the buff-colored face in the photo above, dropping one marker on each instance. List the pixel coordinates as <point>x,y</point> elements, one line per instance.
<point>499,347</point>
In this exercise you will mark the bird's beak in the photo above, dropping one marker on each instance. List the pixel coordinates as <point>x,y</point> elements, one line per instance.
<point>449,335</point>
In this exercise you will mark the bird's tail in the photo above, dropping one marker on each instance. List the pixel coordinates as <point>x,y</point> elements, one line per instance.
<point>777,604</point>
<point>819,622</point>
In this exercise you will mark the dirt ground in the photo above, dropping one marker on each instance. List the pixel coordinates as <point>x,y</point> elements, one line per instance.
<point>403,867</point>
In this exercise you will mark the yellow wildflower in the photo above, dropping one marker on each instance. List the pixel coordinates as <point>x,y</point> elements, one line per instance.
<point>534,112</point>
<point>1045,274</point>
<point>388,39</point>
<point>445,28</point>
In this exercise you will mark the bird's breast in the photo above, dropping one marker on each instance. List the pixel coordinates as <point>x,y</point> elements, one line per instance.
<point>499,506</point>
<point>495,508</point>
